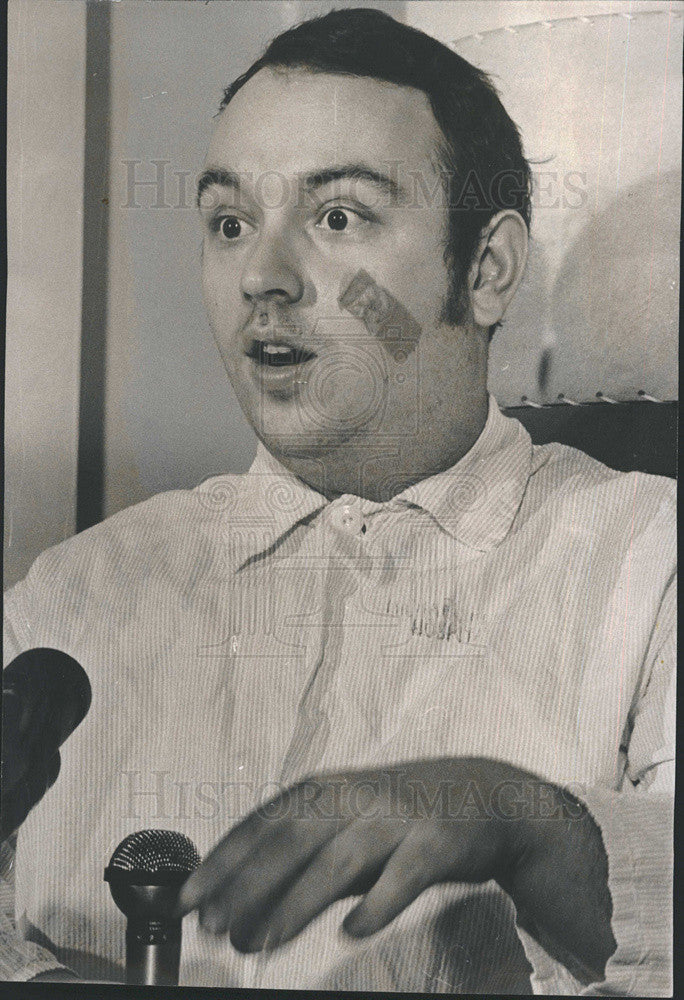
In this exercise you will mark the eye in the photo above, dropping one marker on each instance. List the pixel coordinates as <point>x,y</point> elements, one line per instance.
<point>337,220</point>
<point>230,227</point>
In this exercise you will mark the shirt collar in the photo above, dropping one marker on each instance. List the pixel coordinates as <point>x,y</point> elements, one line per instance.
<point>263,505</point>
<point>475,501</point>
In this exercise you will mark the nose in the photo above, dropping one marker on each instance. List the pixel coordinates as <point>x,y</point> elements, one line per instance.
<point>273,271</point>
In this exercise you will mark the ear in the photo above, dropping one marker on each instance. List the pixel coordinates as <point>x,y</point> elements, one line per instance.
<point>498,267</point>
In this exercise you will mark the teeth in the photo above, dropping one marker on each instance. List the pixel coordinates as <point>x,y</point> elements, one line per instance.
<point>277,355</point>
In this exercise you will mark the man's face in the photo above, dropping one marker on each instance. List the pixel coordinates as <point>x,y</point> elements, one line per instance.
<point>323,264</point>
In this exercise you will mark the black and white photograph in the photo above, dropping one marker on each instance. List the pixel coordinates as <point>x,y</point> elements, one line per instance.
<point>341,403</point>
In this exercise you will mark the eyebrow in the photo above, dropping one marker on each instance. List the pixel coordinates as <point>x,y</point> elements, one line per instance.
<point>218,176</point>
<point>350,171</point>
<point>221,177</point>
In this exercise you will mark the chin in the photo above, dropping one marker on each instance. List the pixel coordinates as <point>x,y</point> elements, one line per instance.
<point>315,443</point>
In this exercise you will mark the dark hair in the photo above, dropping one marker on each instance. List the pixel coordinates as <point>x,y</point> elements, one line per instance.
<point>481,155</point>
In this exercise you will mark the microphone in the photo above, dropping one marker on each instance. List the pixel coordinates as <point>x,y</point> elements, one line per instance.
<point>145,875</point>
<point>45,695</point>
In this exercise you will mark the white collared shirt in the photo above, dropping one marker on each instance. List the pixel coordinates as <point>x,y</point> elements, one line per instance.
<point>246,633</point>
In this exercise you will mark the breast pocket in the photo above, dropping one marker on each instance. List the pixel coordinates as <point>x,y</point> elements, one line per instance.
<point>438,685</point>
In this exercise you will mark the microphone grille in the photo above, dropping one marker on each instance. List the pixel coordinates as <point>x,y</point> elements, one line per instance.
<point>155,853</point>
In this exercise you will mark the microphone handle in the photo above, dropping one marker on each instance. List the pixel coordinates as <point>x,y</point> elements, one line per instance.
<point>153,953</point>
<point>16,804</point>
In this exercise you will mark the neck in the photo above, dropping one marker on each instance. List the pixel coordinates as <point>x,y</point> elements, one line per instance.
<point>379,467</point>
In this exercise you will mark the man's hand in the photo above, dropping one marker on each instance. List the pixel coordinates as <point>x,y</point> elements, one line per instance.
<point>392,833</point>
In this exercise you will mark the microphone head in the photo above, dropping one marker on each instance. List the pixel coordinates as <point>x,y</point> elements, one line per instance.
<point>146,871</point>
<point>49,677</point>
<point>45,695</point>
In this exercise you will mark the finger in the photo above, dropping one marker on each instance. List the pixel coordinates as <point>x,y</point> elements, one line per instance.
<point>355,856</point>
<point>272,822</point>
<point>222,862</point>
<point>410,870</point>
<point>276,860</point>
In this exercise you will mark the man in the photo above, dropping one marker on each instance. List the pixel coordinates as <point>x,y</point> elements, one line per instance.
<point>408,657</point>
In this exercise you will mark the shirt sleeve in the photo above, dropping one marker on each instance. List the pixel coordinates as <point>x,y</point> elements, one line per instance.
<point>20,960</point>
<point>637,826</point>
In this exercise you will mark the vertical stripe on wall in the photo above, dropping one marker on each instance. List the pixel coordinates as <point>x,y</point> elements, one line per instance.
<point>90,478</point>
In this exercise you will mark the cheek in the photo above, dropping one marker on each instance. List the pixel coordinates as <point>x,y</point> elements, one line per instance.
<point>424,279</point>
<point>220,282</point>
<point>221,312</point>
<point>210,290</point>
<point>384,316</point>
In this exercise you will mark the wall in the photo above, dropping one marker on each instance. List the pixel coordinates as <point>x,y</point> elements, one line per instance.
<point>452,19</point>
<point>596,91</point>
<point>46,88</point>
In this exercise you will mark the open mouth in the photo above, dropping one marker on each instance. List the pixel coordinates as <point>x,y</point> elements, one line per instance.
<point>274,355</point>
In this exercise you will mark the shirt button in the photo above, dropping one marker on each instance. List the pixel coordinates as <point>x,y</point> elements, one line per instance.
<point>350,519</point>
